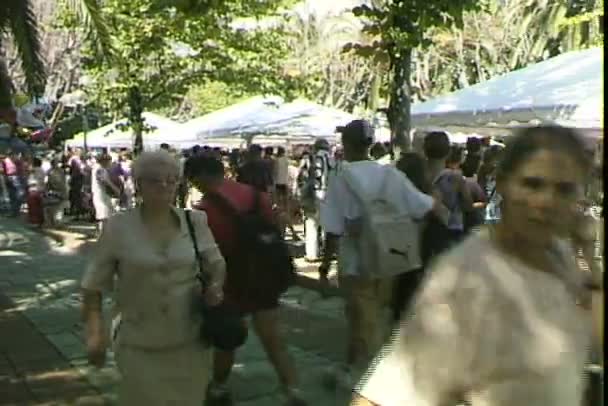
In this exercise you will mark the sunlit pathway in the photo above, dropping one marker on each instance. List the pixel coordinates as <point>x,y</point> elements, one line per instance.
<point>39,289</point>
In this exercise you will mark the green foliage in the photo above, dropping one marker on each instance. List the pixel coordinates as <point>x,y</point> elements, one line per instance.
<point>163,51</point>
<point>590,22</point>
<point>212,96</point>
<point>327,74</point>
<point>499,39</point>
<point>404,24</point>
<point>17,18</point>
<point>394,29</point>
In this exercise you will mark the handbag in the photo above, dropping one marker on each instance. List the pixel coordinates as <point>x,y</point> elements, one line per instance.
<point>223,327</point>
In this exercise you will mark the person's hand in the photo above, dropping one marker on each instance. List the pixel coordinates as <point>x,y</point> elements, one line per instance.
<point>214,294</point>
<point>96,348</point>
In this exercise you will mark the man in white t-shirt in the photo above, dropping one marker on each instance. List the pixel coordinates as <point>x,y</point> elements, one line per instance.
<point>367,297</point>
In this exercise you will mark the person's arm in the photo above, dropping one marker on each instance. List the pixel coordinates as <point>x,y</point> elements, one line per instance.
<point>332,219</point>
<point>420,204</point>
<point>361,401</point>
<point>465,194</point>
<point>420,366</point>
<point>98,278</point>
<point>214,263</point>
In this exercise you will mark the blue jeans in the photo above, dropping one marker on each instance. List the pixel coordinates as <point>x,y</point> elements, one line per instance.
<point>16,193</point>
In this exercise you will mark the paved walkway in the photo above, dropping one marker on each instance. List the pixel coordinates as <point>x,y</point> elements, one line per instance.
<point>42,357</point>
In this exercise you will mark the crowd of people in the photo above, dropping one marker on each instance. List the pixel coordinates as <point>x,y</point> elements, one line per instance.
<point>457,264</point>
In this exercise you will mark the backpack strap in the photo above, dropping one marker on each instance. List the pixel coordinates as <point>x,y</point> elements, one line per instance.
<point>224,205</point>
<point>199,259</point>
<point>355,188</point>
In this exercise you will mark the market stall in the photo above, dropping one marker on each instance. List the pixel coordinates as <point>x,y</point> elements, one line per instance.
<point>565,90</point>
<point>268,119</point>
<point>117,135</point>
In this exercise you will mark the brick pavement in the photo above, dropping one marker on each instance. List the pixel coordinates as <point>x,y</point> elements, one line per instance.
<point>39,288</point>
<point>32,371</point>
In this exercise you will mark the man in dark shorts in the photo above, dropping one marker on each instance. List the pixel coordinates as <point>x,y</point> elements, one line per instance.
<point>207,174</point>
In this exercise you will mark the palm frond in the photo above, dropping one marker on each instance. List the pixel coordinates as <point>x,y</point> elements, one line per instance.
<point>6,88</point>
<point>90,13</point>
<point>23,26</point>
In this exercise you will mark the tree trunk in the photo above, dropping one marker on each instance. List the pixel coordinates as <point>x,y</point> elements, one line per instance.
<point>399,107</point>
<point>6,86</point>
<point>373,101</point>
<point>136,118</point>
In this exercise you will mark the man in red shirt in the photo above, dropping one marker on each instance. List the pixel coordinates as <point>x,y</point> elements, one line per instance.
<point>207,174</point>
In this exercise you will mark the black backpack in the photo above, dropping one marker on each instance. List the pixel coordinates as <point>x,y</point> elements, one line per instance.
<point>262,252</point>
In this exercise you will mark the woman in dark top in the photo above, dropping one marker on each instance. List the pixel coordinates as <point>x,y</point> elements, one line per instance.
<point>413,165</point>
<point>256,171</point>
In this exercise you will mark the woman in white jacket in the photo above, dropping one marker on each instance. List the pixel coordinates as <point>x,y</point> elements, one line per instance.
<point>145,256</point>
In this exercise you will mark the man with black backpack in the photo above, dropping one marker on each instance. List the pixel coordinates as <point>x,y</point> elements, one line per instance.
<point>258,268</point>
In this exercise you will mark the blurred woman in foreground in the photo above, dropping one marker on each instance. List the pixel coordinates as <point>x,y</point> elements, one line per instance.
<point>503,318</point>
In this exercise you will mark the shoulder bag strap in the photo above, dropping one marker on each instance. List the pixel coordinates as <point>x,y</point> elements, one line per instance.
<point>353,186</point>
<point>199,259</point>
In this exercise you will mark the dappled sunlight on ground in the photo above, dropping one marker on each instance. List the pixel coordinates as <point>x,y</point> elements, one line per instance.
<point>41,278</point>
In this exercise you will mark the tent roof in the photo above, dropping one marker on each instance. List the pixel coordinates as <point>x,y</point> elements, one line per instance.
<point>110,136</point>
<point>299,118</point>
<point>266,116</point>
<point>566,90</point>
<point>224,121</point>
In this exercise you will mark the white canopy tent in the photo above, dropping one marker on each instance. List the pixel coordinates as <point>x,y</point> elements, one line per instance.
<point>264,117</point>
<point>222,123</point>
<point>565,90</point>
<point>112,136</point>
<point>299,119</point>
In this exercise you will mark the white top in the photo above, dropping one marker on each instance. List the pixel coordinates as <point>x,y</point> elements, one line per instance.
<point>155,291</point>
<point>36,180</point>
<point>340,205</point>
<point>281,171</point>
<point>102,201</point>
<point>385,160</point>
<point>487,325</point>
<point>293,172</point>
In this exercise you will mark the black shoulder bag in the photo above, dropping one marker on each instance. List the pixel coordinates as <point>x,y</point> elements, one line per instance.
<point>222,327</point>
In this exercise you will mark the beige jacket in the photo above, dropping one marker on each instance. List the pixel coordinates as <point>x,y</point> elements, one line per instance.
<point>487,325</point>
<point>155,293</point>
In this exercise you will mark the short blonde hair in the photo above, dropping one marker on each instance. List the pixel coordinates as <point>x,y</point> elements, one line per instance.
<point>154,159</point>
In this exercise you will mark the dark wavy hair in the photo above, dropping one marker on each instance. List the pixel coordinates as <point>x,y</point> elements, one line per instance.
<point>527,141</point>
<point>203,165</point>
<point>414,167</point>
<point>436,145</point>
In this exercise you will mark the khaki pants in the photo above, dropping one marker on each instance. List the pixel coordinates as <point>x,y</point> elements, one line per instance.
<point>367,306</point>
